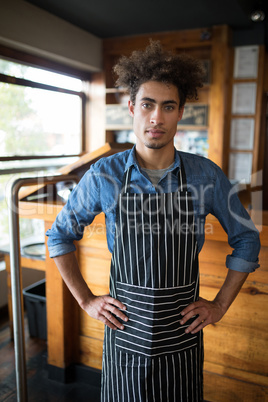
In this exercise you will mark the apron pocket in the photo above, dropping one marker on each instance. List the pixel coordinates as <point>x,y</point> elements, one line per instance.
<point>154,328</point>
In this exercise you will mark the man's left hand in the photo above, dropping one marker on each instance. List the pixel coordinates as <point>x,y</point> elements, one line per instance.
<point>207,312</point>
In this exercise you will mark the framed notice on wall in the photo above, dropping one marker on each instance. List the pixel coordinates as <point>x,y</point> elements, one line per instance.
<point>194,115</point>
<point>244,98</point>
<point>246,62</point>
<point>242,134</point>
<point>240,166</point>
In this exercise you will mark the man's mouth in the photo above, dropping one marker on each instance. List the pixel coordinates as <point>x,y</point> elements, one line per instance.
<point>155,133</point>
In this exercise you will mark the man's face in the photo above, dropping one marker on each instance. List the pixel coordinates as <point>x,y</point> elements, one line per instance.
<point>155,114</point>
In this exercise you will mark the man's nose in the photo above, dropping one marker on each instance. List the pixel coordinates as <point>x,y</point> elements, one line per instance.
<point>156,116</point>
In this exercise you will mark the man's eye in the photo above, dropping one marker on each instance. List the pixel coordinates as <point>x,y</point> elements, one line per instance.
<point>146,105</point>
<point>169,108</point>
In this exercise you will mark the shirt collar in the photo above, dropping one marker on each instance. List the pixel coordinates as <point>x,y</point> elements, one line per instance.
<point>132,160</point>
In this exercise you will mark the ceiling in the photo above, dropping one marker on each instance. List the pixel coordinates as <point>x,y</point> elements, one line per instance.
<point>115,18</point>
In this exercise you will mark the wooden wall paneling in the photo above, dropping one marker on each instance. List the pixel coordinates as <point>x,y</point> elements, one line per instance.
<point>90,327</point>
<point>215,251</point>
<point>95,251</point>
<point>170,40</point>
<point>222,386</point>
<point>97,227</point>
<point>256,380</point>
<point>39,265</point>
<point>247,309</point>
<point>229,100</point>
<point>109,62</point>
<point>265,79</point>
<point>246,356</point>
<point>214,230</point>
<point>265,145</point>
<point>62,317</point>
<point>33,210</point>
<point>91,352</point>
<point>94,262</point>
<point>96,273</point>
<point>203,95</point>
<point>213,275</point>
<point>263,148</point>
<point>220,57</point>
<point>235,349</point>
<point>212,261</point>
<point>97,239</point>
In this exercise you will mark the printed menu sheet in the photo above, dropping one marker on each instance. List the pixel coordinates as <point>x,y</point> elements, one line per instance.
<point>240,167</point>
<point>246,62</point>
<point>242,134</point>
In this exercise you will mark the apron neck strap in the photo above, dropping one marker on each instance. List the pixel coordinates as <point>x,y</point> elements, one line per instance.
<point>182,177</point>
<point>126,180</point>
<point>182,182</point>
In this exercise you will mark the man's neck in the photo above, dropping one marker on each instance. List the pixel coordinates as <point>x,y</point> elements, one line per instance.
<point>154,158</point>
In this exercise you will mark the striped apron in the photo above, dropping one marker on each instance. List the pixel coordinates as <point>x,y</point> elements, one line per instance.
<point>154,272</point>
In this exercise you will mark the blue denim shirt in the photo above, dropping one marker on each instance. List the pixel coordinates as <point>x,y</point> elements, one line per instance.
<point>211,192</point>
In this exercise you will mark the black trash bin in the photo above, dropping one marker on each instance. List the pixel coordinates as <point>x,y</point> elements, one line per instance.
<point>35,304</point>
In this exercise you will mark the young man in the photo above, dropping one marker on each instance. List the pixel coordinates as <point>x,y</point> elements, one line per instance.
<point>155,200</point>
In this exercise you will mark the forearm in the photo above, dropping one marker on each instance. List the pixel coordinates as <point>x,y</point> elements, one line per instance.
<point>68,267</point>
<point>230,289</point>
<point>209,312</point>
<point>103,308</point>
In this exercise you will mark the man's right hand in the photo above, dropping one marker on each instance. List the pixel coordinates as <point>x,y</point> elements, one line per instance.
<point>106,309</point>
<point>103,308</point>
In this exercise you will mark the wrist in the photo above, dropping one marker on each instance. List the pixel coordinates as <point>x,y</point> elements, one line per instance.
<point>86,299</point>
<point>223,307</point>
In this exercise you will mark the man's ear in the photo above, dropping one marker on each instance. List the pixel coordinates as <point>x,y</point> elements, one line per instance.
<point>131,108</point>
<point>181,110</point>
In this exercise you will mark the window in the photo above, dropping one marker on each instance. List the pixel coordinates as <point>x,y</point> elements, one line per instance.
<point>41,112</point>
<point>42,127</point>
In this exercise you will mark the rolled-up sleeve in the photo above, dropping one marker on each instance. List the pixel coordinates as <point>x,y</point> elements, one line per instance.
<point>241,265</point>
<point>243,236</point>
<point>82,207</point>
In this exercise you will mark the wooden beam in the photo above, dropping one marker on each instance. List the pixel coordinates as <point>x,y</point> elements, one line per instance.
<point>62,318</point>
<point>220,56</point>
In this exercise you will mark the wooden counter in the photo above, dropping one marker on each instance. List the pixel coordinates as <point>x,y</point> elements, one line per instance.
<point>236,352</point>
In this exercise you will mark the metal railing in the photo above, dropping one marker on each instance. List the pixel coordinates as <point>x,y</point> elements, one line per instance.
<point>16,277</point>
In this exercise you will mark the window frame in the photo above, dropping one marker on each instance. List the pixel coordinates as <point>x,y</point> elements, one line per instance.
<point>18,56</point>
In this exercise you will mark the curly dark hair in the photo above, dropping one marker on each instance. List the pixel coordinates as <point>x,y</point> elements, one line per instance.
<point>155,64</point>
